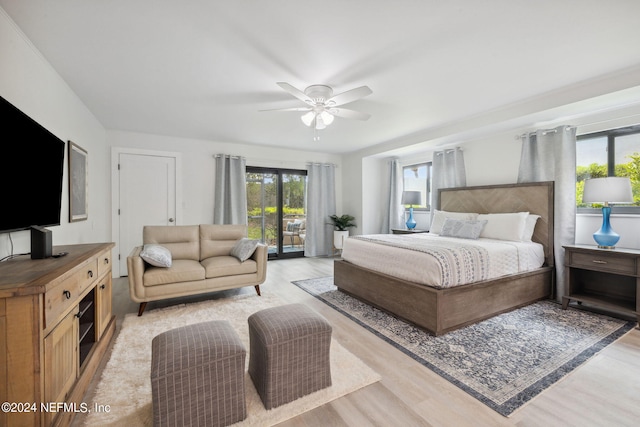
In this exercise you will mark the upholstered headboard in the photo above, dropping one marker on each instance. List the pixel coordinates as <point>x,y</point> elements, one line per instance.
<point>535,198</point>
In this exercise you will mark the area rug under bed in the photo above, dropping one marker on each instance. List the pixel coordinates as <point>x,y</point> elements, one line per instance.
<point>504,361</point>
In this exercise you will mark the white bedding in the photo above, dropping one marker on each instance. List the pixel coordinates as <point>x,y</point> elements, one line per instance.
<point>441,262</point>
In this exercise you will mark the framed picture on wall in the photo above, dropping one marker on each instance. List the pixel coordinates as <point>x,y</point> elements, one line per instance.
<point>78,183</point>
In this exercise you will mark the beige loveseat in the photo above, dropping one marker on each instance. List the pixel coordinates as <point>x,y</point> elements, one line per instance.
<point>200,261</point>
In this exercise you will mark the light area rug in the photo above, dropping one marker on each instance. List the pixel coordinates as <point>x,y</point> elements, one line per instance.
<point>125,383</point>
<point>504,361</point>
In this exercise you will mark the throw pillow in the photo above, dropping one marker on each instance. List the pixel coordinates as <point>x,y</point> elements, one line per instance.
<point>156,255</point>
<point>469,229</point>
<point>244,248</point>
<point>504,226</point>
<point>440,216</point>
<point>529,226</point>
<point>293,226</point>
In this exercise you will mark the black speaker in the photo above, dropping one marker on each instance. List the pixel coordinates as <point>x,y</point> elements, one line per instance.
<point>40,242</point>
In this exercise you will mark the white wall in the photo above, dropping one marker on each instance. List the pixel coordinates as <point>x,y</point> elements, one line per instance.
<point>198,165</point>
<point>31,84</point>
<point>494,159</point>
<point>375,190</point>
<point>352,190</point>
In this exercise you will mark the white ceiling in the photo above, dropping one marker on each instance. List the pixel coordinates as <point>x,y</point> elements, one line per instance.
<point>203,68</point>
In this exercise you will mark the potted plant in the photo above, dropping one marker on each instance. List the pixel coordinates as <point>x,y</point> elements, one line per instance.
<point>342,225</point>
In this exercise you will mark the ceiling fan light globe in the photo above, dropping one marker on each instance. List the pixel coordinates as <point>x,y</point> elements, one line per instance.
<point>307,118</point>
<point>327,118</point>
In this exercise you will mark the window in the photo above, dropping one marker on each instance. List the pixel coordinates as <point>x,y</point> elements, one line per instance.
<point>614,152</point>
<point>418,178</point>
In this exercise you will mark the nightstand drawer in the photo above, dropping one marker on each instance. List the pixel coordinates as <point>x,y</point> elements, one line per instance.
<point>603,262</point>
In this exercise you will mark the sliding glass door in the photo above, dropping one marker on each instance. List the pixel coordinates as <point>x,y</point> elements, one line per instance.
<point>276,209</point>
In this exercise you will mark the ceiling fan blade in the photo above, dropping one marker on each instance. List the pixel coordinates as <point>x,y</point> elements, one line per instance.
<point>289,109</point>
<point>295,92</point>
<point>349,114</point>
<point>349,96</point>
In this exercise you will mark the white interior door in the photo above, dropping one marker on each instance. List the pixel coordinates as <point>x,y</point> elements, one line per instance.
<point>147,196</point>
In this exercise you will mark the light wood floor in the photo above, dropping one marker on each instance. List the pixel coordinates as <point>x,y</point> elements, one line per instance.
<point>605,391</point>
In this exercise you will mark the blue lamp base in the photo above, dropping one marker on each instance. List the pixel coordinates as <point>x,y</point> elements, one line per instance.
<point>411,223</point>
<point>606,238</point>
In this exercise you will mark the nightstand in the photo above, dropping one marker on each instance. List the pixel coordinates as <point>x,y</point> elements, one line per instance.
<point>605,278</point>
<point>407,231</point>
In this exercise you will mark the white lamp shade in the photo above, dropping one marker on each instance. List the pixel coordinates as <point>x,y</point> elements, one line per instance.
<point>317,120</point>
<point>326,118</point>
<point>607,190</point>
<point>411,198</point>
<point>307,118</point>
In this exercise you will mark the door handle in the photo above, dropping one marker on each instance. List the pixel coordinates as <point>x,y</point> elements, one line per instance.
<point>171,219</point>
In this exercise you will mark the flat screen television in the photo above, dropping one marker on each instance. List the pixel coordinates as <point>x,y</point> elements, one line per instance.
<point>32,167</point>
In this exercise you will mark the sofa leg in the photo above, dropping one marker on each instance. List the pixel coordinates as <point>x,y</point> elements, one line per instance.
<point>257,289</point>
<point>143,305</point>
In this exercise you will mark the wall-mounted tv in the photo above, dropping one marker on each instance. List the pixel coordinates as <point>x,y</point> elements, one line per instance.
<point>32,170</point>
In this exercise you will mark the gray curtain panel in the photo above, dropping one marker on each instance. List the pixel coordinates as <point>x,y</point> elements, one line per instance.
<point>550,155</point>
<point>448,171</point>
<point>394,216</point>
<point>230,191</point>
<point>321,202</point>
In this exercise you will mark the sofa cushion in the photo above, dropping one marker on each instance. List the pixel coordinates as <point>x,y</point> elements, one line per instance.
<point>221,266</point>
<point>219,239</point>
<point>181,240</point>
<point>182,270</point>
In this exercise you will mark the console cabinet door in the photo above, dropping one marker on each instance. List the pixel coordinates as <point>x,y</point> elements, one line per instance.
<point>103,303</point>
<point>60,361</point>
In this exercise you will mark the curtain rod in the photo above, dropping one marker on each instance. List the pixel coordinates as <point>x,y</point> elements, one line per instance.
<point>320,164</point>
<point>544,132</point>
<point>217,156</point>
<point>448,150</point>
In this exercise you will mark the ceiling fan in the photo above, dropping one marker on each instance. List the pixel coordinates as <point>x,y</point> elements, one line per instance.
<point>323,105</point>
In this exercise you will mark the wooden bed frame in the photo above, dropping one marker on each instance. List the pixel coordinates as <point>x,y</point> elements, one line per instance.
<point>443,310</point>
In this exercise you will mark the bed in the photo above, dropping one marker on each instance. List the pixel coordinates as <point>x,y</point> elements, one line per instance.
<point>443,309</point>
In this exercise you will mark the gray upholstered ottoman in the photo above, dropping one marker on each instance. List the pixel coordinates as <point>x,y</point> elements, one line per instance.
<point>289,353</point>
<point>197,376</point>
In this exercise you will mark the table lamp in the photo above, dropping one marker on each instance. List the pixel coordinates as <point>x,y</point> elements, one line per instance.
<point>607,190</point>
<point>411,198</point>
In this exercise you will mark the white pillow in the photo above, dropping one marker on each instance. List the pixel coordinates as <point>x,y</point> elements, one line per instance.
<point>244,248</point>
<point>529,226</point>
<point>156,255</point>
<point>440,216</point>
<point>464,229</point>
<point>504,226</point>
